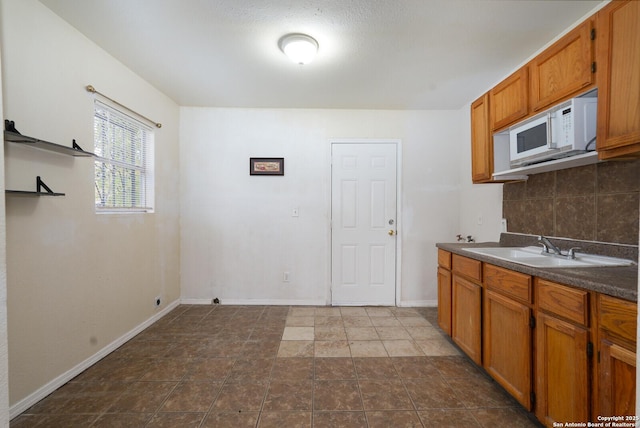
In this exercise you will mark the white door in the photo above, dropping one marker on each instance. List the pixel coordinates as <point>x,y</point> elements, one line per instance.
<point>363,224</point>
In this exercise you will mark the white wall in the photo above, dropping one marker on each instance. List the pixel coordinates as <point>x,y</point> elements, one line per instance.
<point>237,233</point>
<point>76,281</point>
<point>4,351</point>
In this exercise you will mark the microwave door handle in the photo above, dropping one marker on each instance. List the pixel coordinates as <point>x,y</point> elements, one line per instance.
<point>550,143</point>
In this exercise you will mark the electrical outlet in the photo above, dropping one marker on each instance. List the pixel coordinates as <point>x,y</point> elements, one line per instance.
<point>295,212</point>
<point>157,301</point>
<point>479,219</point>
<point>286,277</point>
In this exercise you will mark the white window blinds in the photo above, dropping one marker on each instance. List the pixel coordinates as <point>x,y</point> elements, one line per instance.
<point>124,161</point>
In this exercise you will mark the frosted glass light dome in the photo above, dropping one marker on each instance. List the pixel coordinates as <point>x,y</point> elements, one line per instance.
<point>300,48</point>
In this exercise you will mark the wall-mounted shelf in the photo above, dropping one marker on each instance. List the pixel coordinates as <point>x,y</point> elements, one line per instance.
<point>31,194</point>
<point>12,135</point>
<point>570,162</point>
<point>76,150</point>
<point>41,190</point>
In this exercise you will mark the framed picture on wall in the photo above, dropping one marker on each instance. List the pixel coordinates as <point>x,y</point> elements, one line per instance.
<point>266,166</point>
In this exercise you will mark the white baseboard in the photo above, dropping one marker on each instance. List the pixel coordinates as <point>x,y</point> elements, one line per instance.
<point>56,383</point>
<point>282,302</point>
<point>271,302</point>
<point>418,304</point>
<point>196,301</point>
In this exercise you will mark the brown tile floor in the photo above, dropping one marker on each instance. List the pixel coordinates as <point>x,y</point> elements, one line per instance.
<point>273,366</point>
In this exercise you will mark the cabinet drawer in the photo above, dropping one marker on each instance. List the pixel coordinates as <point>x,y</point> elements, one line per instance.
<point>508,282</point>
<point>567,302</point>
<point>468,267</point>
<point>618,316</point>
<point>444,259</point>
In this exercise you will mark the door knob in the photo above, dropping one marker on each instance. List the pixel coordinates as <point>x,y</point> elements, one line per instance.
<point>392,232</point>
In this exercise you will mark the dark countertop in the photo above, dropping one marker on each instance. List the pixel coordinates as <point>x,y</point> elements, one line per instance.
<point>619,282</point>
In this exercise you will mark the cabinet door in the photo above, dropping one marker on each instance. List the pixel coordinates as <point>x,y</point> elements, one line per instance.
<point>507,347</point>
<point>562,368</point>
<point>466,317</point>
<point>481,141</point>
<point>564,69</point>
<point>618,62</point>
<point>509,100</point>
<point>617,380</point>
<point>444,300</point>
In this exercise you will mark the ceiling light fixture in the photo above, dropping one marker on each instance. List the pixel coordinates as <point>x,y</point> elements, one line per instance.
<point>300,48</point>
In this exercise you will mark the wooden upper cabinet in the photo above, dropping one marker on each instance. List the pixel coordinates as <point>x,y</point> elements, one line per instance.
<point>564,69</point>
<point>481,141</point>
<point>618,62</point>
<point>509,100</point>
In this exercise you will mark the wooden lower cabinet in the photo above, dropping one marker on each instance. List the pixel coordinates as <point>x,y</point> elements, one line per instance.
<point>444,299</point>
<point>507,347</point>
<point>562,371</point>
<point>617,380</point>
<point>466,329</point>
<point>617,362</point>
<point>444,290</point>
<point>565,353</point>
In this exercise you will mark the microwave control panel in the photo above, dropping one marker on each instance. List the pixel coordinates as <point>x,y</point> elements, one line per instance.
<point>567,124</point>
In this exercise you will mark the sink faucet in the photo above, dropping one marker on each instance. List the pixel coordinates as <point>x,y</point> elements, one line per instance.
<point>547,246</point>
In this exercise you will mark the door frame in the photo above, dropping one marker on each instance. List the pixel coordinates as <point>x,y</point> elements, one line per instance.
<point>399,229</point>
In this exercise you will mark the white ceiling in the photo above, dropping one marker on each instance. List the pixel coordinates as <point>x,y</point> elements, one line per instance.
<point>374,54</point>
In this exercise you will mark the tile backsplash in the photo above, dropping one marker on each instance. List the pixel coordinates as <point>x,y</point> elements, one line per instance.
<point>596,202</point>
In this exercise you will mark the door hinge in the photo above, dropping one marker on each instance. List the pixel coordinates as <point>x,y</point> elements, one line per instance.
<point>593,34</point>
<point>532,321</point>
<point>593,67</point>
<point>590,350</point>
<point>598,357</point>
<point>532,398</point>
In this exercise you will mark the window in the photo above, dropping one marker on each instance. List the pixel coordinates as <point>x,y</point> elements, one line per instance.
<point>124,162</point>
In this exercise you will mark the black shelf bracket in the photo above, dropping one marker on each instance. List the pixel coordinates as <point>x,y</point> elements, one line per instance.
<point>10,125</point>
<point>41,190</point>
<point>76,146</point>
<point>11,134</point>
<point>40,185</point>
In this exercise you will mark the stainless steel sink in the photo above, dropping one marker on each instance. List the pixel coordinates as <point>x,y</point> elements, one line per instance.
<point>533,256</point>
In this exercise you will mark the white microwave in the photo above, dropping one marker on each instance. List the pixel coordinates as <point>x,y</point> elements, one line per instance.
<point>565,130</point>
